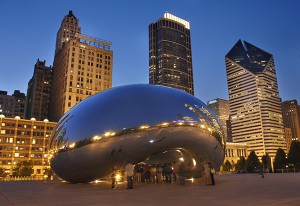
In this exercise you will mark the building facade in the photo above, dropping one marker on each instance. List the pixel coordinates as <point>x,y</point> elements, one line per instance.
<point>255,105</point>
<point>24,140</point>
<point>170,54</point>
<point>82,67</point>
<point>38,92</point>
<point>288,139</point>
<point>234,151</point>
<point>291,117</point>
<point>221,109</point>
<point>12,105</point>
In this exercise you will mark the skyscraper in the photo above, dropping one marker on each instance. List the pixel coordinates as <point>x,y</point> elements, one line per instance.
<point>38,92</point>
<point>255,105</point>
<point>69,27</point>
<point>221,109</point>
<point>291,117</point>
<point>82,67</point>
<point>170,54</point>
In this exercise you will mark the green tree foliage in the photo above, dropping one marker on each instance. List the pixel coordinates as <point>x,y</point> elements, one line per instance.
<point>280,160</point>
<point>241,164</point>
<point>227,166</point>
<point>294,154</point>
<point>266,161</point>
<point>49,172</point>
<point>2,172</point>
<point>24,168</point>
<point>252,162</point>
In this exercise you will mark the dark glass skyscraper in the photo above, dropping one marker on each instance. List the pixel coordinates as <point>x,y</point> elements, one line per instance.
<point>38,92</point>
<point>170,54</point>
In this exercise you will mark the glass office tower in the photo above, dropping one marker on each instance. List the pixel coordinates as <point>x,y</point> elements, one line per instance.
<point>170,55</point>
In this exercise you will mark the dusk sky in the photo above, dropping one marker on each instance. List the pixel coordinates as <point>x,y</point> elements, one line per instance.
<point>28,32</point>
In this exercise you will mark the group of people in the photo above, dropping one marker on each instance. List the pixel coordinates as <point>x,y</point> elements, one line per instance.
<point>157,173</point>
<point>209,173</point>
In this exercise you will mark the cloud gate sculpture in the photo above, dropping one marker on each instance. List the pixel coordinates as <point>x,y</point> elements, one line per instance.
<point>135,123</point>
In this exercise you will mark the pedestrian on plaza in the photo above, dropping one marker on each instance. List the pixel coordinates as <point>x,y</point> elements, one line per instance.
<point>129,173</point>
<point>212,173</point>
<point>113,178</point>
<point>261,170</point>
<point>175,171</point>
<point>153,172</point>
<point>207,173</point>
<point>181,173</point>
<point>158,173</point>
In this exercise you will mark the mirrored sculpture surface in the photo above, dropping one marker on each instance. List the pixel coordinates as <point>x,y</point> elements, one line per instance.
<point>135,123</point>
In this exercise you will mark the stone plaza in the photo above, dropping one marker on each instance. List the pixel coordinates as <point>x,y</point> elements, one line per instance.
<point>230,189</point>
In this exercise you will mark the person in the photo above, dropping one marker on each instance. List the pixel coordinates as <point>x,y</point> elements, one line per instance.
<point>174,171</point>
<point>207,173</point>
<point>158,173</point>
<point>137,173</point>
<point>261,170</point>
<point>113,178</point>
<point>153,174</point>
<point>212,173</point>
<point>129,172</point>
<point>181,170</point>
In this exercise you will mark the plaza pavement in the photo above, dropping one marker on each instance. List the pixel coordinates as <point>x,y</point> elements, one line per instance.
<point>230,189</point>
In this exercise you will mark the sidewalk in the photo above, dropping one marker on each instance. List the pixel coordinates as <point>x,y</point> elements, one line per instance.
<point>231,189</point>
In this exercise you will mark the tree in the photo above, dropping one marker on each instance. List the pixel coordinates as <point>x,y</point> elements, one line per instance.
<point>227,166</point>
<point>294,154</point>
<point>280,160</point>
<point>266,161</point>
<point>252,162</point>
<point>48,172</point>
<point>2,172</point>
<point>24,168</point>
<point>241,164</point>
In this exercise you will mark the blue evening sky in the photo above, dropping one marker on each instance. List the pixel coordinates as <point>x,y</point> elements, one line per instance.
<point>28,32</point>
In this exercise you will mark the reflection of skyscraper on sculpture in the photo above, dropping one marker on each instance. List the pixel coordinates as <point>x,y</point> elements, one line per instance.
<point>170,54</point>
<point>82,67</point>
<point>221,109</point>
<point>254,99</point>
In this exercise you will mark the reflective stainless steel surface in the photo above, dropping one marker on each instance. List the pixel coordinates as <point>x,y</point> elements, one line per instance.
<point>134,123</point>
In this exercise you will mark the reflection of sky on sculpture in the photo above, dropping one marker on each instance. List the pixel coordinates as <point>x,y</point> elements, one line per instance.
<point>106,112</point>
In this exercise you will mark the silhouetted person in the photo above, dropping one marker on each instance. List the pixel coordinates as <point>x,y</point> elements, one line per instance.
<point>212,173</point>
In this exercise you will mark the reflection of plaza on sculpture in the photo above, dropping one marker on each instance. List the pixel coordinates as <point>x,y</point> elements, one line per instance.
<point>136,123</point>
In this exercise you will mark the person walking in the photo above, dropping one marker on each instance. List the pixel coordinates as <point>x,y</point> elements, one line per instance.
<point>212,173</point>
<point>261,170</point>
<point>113,178</point>
<point>175,171</point>
<point>129,173</point>
<point>181,170</point>
<point>207,173</point>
